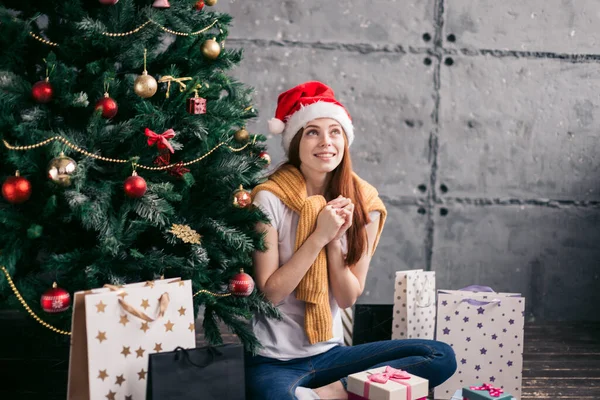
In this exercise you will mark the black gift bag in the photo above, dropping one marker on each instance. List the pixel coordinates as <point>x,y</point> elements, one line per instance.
<point>207,373</point>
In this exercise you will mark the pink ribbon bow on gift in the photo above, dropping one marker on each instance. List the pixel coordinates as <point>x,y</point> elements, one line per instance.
<point>162,140</point>
<point>390,374</point>
<point>494,391</point>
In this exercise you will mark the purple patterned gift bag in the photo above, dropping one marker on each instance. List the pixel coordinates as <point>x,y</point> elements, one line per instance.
<point>485,329</point>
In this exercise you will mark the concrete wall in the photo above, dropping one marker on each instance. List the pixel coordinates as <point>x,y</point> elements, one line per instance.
<point>476,120</point>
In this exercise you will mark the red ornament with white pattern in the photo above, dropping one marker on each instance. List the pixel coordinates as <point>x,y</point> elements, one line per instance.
<point>55,300</point>
<point>241,284</point>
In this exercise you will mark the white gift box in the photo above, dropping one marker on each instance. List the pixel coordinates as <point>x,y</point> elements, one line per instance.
<point>361,386</point>
<point>414,305</point>
<point>485,330</point>
<point>125,326</point>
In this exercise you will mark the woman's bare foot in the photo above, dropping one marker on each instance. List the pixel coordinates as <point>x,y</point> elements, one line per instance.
<point>334,390</point>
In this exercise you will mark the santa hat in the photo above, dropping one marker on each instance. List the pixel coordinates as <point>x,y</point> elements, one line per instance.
<point>303,103</point>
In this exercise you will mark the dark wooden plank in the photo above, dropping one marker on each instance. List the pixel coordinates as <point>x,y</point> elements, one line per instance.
<point>562,382</point>
<point>534,357</point>
<point>592,363</point>
<point>561,361</point>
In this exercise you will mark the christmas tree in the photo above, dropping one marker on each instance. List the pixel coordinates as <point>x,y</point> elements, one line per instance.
<point>128,137</point>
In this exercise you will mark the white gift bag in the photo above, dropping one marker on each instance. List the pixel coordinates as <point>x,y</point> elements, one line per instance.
<point>414,305</point>
<point>78,385</point>
<point>485,330</point>
<point>126,325</point>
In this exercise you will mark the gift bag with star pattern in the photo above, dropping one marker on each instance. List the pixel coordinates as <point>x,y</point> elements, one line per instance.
<point>414,305</point>
<point>485,330</point>
<point>121,326</point>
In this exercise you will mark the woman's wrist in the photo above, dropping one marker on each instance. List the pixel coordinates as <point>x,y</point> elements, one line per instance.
<point>335,244</point>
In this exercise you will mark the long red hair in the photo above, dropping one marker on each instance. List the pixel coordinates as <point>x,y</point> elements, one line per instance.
<point>342,183</point>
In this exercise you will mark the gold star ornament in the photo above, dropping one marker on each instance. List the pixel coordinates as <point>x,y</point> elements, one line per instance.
<point>185,233</point>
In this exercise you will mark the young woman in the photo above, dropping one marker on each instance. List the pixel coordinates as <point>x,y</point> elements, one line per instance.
<point>325,223</point>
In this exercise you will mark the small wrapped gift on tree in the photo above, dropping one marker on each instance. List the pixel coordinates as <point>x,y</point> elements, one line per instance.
<point>386,383</point>
<point>196,105</point>
<point>485,392</point>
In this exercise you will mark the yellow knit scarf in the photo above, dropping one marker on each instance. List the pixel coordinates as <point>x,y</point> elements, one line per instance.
<point>289,186</point>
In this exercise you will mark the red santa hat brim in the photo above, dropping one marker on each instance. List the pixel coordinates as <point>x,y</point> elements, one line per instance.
<point>307,113</point>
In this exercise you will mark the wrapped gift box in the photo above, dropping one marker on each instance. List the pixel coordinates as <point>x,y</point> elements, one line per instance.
<point>485,392</point>
<point>386,383</point>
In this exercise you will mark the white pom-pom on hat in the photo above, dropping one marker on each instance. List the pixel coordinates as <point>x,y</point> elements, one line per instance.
<point>276,126</point>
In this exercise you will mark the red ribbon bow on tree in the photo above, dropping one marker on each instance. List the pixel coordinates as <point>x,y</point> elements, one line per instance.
<point>162,140</point>
<point>494,391</point>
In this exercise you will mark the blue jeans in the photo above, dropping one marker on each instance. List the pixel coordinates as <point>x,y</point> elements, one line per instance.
<point>269,378</point>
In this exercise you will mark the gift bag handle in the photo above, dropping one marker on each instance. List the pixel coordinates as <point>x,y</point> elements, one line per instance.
<point>417,302</point>
<point>163,301</point>
<point>477,288</point>
<point>475,302</point>
<point>211,350</point>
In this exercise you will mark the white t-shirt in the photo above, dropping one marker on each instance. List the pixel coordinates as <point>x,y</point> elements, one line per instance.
<point>286,339</point>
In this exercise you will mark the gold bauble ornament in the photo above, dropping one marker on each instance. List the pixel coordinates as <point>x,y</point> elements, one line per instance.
<point>60,170</point>
<point>241,136</point>
<point>241,198</point>
<point>145,85</point>
<point>211,49</point>
<point>210,2</point>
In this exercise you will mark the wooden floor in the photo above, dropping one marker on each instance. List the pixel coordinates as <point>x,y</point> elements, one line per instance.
<point>561,361</point>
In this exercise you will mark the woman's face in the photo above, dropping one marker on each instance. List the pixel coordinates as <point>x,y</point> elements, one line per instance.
<point>322,145</point>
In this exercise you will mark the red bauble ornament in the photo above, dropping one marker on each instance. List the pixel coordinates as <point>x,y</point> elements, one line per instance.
<point>199,5</point>
<point>16,189</point>
<point>42,91</point>
<point>55,300</point>
<point>263,155</point>
<point>109,2</point>
<point>135,186</point>
<point>108,106</point>
<point>241,198</point>
<point>241,284</point>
